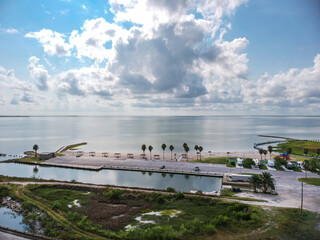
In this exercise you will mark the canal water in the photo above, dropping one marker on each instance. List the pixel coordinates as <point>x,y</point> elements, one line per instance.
<point>11,219</point>
<point>184,183</point>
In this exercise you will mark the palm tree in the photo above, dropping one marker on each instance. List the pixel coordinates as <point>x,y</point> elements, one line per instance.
<point>306,164</point>
<point>150,149</point>
<point>196,148</point>
<point>261,152</point>
<point>289,151</point>
<point>143,148</point>
<point>318,152</point>
<point>35,148</point>
<point>270,150</point>
<point>306,150</point>
<point>187,149</point>
<point>163,146</point>
<point>256,181</point>
<point>185,145</point>
<point>171,149</point>
<point>200,150</point>
<point>265,152</point>
<point>267,181</point>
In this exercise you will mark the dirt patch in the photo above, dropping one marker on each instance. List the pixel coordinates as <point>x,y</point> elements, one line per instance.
<point>113,214</point>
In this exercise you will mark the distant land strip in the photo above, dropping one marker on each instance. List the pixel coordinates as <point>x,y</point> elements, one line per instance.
<point>286,138</point>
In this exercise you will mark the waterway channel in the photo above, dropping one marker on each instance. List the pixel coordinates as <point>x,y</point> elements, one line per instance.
<point>180,182</point>
<point>11,219</point>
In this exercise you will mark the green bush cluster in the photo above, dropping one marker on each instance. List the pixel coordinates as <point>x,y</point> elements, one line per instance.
<point>248,162</point>
<point>170,189</point>
<point>114,194</point>
<point>4,191</point>
<point>179,195</point>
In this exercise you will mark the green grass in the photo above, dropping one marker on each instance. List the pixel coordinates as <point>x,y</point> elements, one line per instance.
<point>199,217</point>
<point>215,160</point>
<point>299,146</point>
<point>312,181</point>
<point>227,193</point>
<point>296,169</point>
<point>280,169</point>
<point>289,224</point>
<point>26,160</point>
<point>263,167</point>
<point>75,147</point>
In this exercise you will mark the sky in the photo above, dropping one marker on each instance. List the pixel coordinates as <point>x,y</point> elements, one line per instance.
<point>159,57</point>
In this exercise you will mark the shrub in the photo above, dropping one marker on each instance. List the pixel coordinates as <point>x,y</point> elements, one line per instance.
<point>161,199</point>
<point>4,191</point>
<point>114,194</point>
<point>170,189</point>
<point>179,195</point>
<point>248,162</point>
<point>279,161</point>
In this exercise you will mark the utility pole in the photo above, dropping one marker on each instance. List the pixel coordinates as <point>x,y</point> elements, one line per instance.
<point>301,195</point>
<point>302,191</point>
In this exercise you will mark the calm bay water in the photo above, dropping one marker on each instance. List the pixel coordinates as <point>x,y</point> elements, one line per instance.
<point>127,134</point>
<point>185,183</point>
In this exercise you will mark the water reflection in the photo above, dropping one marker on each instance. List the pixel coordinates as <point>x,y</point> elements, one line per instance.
<point>11,219</point>
<point>115,177</point>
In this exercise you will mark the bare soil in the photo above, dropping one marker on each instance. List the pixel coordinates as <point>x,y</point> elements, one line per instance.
<point>112,214</point>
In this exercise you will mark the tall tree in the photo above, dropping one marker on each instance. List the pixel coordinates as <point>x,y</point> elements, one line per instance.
<point>256,181</point>
<point>196,147</point>
<point>143,148</point>
<point>270,150</point>
<point>306,150</point>
<point>200,150</point>
<point>150,149</point>
<point>265,152</point>
<point>171,149</point>
<point>267,181</point>
<point>163,146</point>
<point>184,145</point>
<point>35,148</point>
<point>261,152</point>
<point>187,149</point>
<point>318,152</point>
<point>289,151</point>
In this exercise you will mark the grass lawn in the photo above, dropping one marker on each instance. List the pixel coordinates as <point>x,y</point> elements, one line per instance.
<point>298,147</point>
<point>215,160</point>
<point>296,169</point>
<point>26,160</point>
<point>312,181</point>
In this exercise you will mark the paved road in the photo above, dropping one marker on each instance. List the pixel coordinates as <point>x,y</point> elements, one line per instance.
<point>287,186</point>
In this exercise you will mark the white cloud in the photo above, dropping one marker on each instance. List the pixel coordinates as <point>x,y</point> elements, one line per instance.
<point>295,88</point>
<point>9,30</point>
<point>53,43</point>
<point>90,42</point>
<point>39,73</point>
<point>158,54</point>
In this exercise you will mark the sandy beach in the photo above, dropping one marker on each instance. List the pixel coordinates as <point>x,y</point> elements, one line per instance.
<point>167,155</point>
